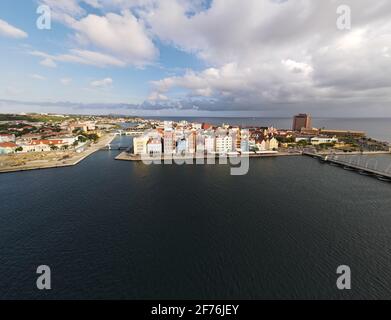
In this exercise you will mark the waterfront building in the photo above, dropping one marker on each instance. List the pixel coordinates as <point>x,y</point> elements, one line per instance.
<point>191,142</point>
<point>234,133</point>
<point>238,139</point>
<point>7,147</point>
<point>261,145</point>
<point>301,121</point>
<point>169,145</point>
<point>210,144</point>
<point>42,145</point>
<point>245,140</point>
<point>181,146</point>
<point>200,142</point>
<point>223,144</point>
<point>273,144</point>
<point>140,145</point>
<point>154,146</point>
<point>267,144</point>
<point>7,137</point>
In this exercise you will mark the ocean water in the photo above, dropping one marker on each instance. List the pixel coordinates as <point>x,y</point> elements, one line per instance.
<point>125,230</point>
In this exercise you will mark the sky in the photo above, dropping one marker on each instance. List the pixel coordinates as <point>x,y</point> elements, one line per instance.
<point>197,57</point>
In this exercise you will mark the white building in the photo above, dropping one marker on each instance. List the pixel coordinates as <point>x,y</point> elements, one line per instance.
<point>7,147</point>
<point>210,144</point>
<point>197,126</point>
<point>167,125</point>
<point>223,144</point>
<point>323,140</point>
<point>7,138</point>
<point>154,146</point>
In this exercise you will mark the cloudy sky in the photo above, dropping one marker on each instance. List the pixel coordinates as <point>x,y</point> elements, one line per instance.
<point>197,57</point>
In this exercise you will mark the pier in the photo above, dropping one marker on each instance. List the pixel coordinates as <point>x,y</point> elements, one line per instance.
<point>364,170</point>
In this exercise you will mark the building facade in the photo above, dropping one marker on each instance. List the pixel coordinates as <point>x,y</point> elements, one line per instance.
<point>168,140</point>
<point>140,145</point>
<point>223,144</point>
<point>302,121</point>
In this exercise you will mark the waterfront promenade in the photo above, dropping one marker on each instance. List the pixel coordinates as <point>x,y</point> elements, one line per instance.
<point>74,159</point>
<point>126,156</point>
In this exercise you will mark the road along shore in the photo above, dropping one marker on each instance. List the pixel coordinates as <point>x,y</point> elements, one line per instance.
<point>58,163</point>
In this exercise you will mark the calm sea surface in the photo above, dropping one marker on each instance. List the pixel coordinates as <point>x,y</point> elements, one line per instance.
<point>124,230</point>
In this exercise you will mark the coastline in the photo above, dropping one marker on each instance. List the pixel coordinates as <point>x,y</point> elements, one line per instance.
<point>124,156</point>
<point>103,141</point>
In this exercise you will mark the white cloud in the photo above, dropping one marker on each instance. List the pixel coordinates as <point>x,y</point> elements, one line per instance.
<point>10,31</point>
<point>265,54</point>
<point>37,77</point>
<point>156,96</point>
<point>257,53</point>
<point>66,81</point>
<point>47,62</point>
<point>121,35</point>
<point>104,83</point>
<point>79,56</point>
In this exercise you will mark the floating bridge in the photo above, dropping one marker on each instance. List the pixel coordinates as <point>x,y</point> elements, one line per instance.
<point>361,167</point>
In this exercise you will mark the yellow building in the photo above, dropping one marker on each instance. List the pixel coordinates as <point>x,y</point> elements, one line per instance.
<point>140,145</point>
<point>273,144</point>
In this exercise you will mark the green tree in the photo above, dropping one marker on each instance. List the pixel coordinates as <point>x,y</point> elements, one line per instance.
<point>82,139</point>
<point>93,136</point>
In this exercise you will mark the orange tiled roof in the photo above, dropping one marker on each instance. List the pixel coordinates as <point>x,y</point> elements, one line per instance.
<point>50,142</point>
<point>8,145</point>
